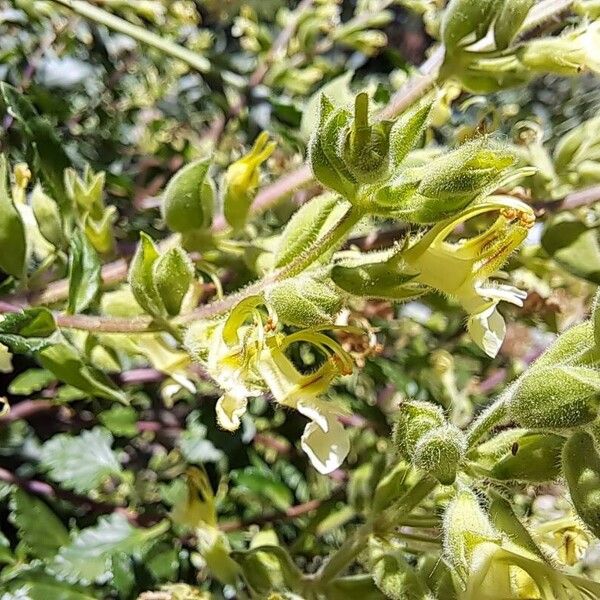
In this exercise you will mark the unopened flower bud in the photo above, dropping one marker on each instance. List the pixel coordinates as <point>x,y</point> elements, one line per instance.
<point>439,453</point>
<point>415,419</point>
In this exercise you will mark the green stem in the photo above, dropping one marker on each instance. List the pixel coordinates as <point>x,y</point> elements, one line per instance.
<point>103,17</point>
<point>379,524</point>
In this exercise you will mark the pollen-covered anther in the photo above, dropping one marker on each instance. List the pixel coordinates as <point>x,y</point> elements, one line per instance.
<point>526,219</point>
<point>509,213</point>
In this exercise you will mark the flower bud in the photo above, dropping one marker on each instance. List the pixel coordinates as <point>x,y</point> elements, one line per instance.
<point>241,181</point>
<point>533,457</point>
<point>188,200</point>
<point>48,217</point>
<point>556,397</point>
<point>173,275</point>
<point>304,301</point>
<point>439,453</point>
<point>415,419</point>
<point>509,21</point>
<point>85,192</point>
<point>581,468</point>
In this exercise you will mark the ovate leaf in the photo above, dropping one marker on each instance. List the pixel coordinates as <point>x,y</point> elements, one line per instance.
<point>84,273</point>
<point>40,531</point>
<point>81,462</point>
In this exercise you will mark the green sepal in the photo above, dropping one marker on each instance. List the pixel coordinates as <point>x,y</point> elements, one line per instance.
<point>141,277</point>
<point>47,215</point>
<point>304,301</point>
<point>188,200</point>
<point>414,420</point>
<point>581,468</point>
<point>173,275</point>
<point>510,20</point>
<point>534,457</point>
<point>407,131</point>
<point>84,273</point>
<point>466,21</point>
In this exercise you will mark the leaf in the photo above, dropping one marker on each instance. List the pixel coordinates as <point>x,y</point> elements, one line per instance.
<point>40,531</point>
<point>120,420</point>
<point>88,557</point>
<point>195,447</point>
<point>141,277</point>
<point>45,150</point>
<point>65,361</point>
<point>32,380</point>
<point>575,246</point>
<point>31,583</point>
<point>28,331</point>
<point>13,243</point>
<point>81,462</point>
<point>84,273</point>
<point>264,483</point>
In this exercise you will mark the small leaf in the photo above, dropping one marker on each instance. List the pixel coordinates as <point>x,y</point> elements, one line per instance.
<point>88,557</point>
<point>120,420</point>
<point>141,277</point>
<point>81,462</point>
<point>264,484</point>
<point>13,243</point>
<point>84,273</point>
<point>173,275</point>
<point>27,331</point>
<point>195,447</point>
<point>30,582</point>
<point>40,531</point>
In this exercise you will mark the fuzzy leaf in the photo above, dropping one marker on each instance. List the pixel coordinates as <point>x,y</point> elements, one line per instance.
<point>81,462</point>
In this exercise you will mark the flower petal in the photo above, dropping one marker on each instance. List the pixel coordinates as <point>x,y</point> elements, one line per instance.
<point>229,410</point>
<point>487,329</point>
<point>328,448</point>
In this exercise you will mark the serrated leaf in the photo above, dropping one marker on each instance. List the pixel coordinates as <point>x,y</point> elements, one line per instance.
<point>32,583</point>
<point>13,243</point>
<point>84,273</point>
<point>28,331</point>
<point>40,531</point>
<point>195,447</point>
<point>120,420</point>
<point>81,462</point>
<point>88,557</point>
<point>30,381</point>
<point>66,362</point>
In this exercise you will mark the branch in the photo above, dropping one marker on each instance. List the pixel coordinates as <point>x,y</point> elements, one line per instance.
<point>103,17</point>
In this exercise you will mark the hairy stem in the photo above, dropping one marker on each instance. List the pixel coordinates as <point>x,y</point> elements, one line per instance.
<point>103,17</point>
<point>377,524</point>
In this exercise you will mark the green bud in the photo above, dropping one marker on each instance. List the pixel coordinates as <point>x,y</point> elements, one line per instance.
<point>445,186</point>
<point>388,279</point>
<point>241,181</point>
<point>304,301</point>
<point>85,192</point>
<point>533,457</point>
<point>173,275</point>
<point>556,397</point>
<point>141,277</point>
<point>465,21</point>
<point>394,577</point>
<point>581,468</point>
<point>415,419</point>
<point>509,21</point>
<point>569,347</point>
<point>48,217</point>
<point>100,230</point>
<point>366,147</point>
<point>307,225</point>
<point>188,200</point>
<point>439,453</point>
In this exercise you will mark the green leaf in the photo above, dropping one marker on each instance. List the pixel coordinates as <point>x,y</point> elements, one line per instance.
<point>40,531</point>
<point>45,150</point>
<point>120,420</point>
<point>195,447</point>
<point>28,331</point>
<point>66,362</point>
<point>81,462</point>
<point>141,277</point>
<point>30,381</point>
<point>173,275</point>
<point>88,557</point>
<point>13,243</point>
<point>574,245</point>
<point>84,273</point>
<point>32,583</point>
<point>266,484</point>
